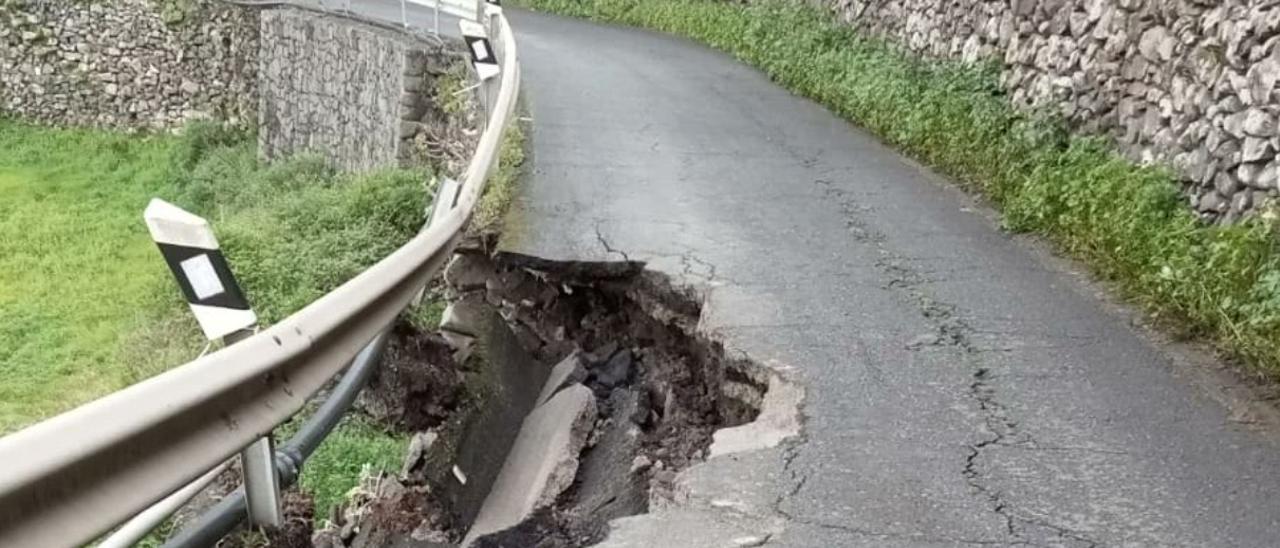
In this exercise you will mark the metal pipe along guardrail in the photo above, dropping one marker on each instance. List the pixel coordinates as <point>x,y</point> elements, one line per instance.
<point>69,479</point>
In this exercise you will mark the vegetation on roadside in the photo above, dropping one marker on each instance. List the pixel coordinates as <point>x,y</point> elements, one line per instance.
<point>334,470</point>
<point>88,306</point>
<point>76,266</point>
<point>500,191</point>
<point>1128,222</point>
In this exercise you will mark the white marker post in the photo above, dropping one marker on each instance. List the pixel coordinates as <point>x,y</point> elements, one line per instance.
<point>190,249</point>
<point>483,60</point>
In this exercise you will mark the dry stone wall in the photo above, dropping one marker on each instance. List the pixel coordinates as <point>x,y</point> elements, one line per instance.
<point>127,63</point>
<point>358,93</point>
<point>1188,83</point>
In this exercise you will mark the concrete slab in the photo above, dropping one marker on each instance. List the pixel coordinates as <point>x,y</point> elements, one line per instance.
<point>509,380</point>
<point>468,271</point>
<point>542,463</point>
<point>779,419</point>
<point>465,316</point>
<point>569,371</point>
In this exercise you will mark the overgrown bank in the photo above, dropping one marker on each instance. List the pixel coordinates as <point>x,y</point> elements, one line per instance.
<point>1129,222</point>
<point>72,206</point>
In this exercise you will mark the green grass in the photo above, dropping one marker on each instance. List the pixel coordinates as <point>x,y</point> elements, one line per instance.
<point>335,468</point>
<point>77,269</point>
<point>1128,222</point>
<point>88,306</point>
<point>494,208</point>
<point>72,202</point>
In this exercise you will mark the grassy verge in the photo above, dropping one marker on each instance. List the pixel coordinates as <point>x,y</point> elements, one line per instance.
<point>76,266</point>
<point>500,191</point>
<point>1129,223</point>
<point>88,307</point>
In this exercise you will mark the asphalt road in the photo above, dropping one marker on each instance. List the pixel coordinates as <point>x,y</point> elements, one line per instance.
<point>963,386</point>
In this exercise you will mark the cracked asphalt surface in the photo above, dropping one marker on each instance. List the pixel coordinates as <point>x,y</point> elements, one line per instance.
<point>963,386</point>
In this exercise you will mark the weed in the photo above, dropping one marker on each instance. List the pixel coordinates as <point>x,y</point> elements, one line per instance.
<point>500,191</point>
<point>76,264</point>
<point>334,469</point>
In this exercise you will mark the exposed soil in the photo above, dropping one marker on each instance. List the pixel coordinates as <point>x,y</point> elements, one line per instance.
<point>297,528</point>
<point>388,512</point>
<point>417,386</point>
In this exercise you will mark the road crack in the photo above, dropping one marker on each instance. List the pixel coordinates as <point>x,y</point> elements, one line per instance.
<point>608,248</point>
<point>953,331</point>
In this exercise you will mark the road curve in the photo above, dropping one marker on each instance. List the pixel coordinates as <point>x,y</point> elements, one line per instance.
<point>963,386</point>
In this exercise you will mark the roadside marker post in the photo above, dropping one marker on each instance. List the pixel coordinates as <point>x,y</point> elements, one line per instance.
<point>189,248</point>
<point>187,243</point>
<point>482,56</point>
<point>483,59</point>
<point>489,12</point>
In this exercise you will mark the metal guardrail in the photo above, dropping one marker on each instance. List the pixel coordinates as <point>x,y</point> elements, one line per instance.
<point>223,517</point>
<point>69,479</point>
<point>465,9</point>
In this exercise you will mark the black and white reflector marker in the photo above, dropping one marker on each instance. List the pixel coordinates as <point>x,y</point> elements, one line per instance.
<point>191,251</point>
<point>482,56</point>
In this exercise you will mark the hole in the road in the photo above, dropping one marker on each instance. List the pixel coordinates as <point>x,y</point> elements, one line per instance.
<point>661,388</point>
<point>581,390</point>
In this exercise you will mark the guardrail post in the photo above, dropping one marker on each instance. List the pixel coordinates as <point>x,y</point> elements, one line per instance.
<point>189,247</point>
<point>258,468</point>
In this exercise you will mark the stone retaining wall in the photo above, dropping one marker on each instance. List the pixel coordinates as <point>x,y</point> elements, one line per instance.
<point>127,63</point>
<point>1188,83</point>
<point>358,93</point>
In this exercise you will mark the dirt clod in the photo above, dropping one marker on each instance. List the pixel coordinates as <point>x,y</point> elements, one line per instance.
<point>296,530</point>
<point>418,384</point>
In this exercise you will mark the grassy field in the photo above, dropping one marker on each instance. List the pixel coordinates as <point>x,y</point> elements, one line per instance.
<point>77,270</point>
<point>87,306</point>
<point>1129,223</point>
